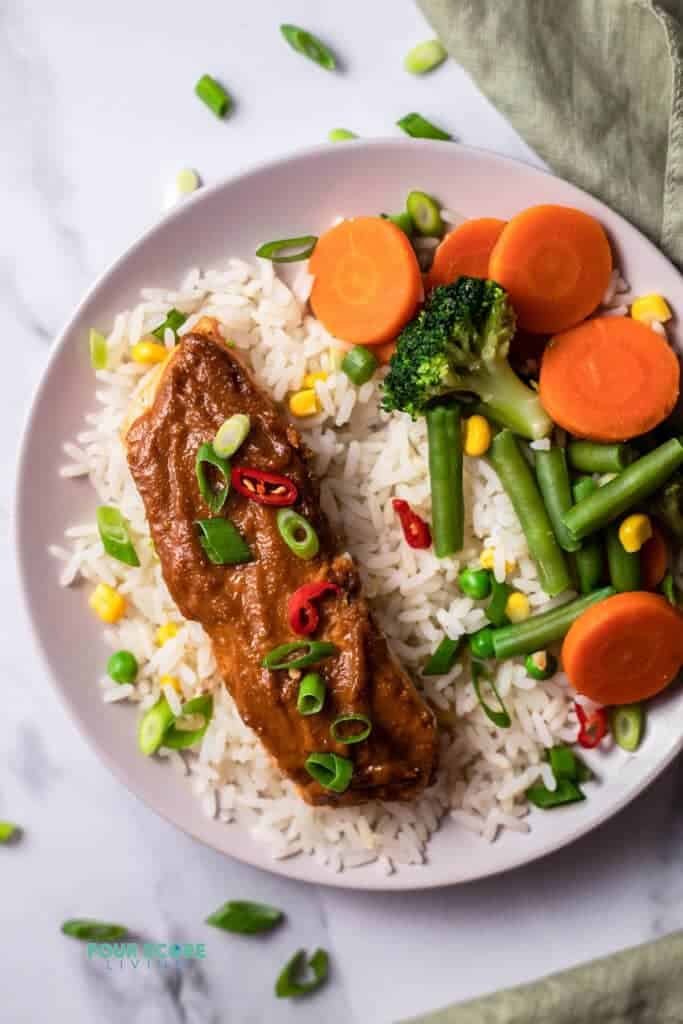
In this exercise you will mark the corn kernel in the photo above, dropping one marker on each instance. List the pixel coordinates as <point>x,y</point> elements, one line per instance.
<point>166,632</point>
<point>107,603</point>
<point>171,681</point>
<point>651,307</point>
<point>148,352</point>
<point>311,379</point>
<point>634,531</point>
<point>517,608</point>
<point>477,436</point>
<point>304,403</point>
<point>487,560</point>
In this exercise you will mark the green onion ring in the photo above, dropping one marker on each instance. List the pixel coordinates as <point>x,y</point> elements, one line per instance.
<point>222,542</point>
<point>500,718</point>
<point>312,693</point>
<point>113,530</point>
<point>270,250</point>
<point>315,651</point>
<point>358,737</point>
<point>290,523</point>
<point>330,770</point>
<point>214,500</point>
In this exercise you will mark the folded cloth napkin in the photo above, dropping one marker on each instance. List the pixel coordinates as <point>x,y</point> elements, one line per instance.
<point>639,986</point>
<point>594,86</point>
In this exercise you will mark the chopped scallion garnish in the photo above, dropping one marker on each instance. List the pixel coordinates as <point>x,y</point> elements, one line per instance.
<point>245,918</point>
<point>304,244</point>
<point>174,320</point>
<point>425,57</point>
<point>113,530</point>
<point>499,716</point>
<point>330,770</point>
<point>341,135</point>
<point>214,95</point>
<point>9,832</point>
<point>98,350</point>
<point>311,697</point>
<point>222,542</point>
<point>420,128</point>
<point>304,42</point>
<point>339,730</point>
<point>87,930</point>
<point>289,982</point>
<point>214,498</point>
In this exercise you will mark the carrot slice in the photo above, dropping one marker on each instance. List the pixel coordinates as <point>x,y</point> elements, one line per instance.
<point>556,263</point>
<point>609,379</point>
<point>385,352</point>
<point>625,649</point>
<point>367,280</point>
<point>466,251</point>
<point>654,560</point>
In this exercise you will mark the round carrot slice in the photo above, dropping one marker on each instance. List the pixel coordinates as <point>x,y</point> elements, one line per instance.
<point>625,649</point>
<point>466,251</point>
<point>654,560</point>
<point>367,281</point>
<point>556,263</point>
<point>609,379</point>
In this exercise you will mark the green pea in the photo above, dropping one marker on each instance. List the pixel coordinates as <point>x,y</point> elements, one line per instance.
<point>123,667</point>
<point>481,643</point>
<point>540,665</point>
<point>475,583</point>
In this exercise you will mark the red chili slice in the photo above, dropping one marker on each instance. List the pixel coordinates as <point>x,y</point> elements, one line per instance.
<point>415,530</point>
<point>593,726</point>
<point>303,615</point>
<point>264,488</point>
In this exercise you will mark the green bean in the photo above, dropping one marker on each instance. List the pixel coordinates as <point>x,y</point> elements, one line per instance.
<point>635,483</point>
<point>553,481</point>
<point>589,560</point>
<point>444,436</point>
<point>590,457</point>
<point>540,631</point>
<point>518,481</point>
<point>624,566</point>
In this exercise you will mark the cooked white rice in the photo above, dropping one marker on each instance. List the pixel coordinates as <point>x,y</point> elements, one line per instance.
<point>363,458</point>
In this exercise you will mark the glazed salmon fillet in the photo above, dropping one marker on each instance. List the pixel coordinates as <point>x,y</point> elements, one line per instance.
<point>244,608</point>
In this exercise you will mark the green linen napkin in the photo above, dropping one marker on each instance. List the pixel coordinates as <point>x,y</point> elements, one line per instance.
<point>594,86</point>
<point>639,986</point>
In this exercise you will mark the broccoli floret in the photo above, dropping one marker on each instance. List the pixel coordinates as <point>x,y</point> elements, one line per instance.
<point>459,343</point>
<point>667,506</point>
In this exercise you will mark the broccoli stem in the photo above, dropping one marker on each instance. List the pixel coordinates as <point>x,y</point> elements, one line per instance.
<point>444,437</point>
<point>511,402</point>
<point>518,481</point>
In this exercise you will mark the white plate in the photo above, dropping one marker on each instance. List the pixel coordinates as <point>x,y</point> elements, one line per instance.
<point>289,197</point>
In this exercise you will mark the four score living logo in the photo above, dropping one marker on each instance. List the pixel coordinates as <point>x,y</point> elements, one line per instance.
<point>133,955</point>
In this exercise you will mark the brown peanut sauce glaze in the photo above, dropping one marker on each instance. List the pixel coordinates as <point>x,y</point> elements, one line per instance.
<point>244,608</point>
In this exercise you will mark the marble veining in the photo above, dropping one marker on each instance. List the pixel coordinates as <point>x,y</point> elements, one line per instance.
<point>98,114</point>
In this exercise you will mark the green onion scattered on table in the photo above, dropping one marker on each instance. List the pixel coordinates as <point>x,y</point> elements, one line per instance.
<point>245,918</point>
<point>289,982</point>
<point>425,214</point>
<point>339,728</point>
<point>444,657</point>
<point>222,542</point>
<point>359,364</point>
<point>311,697</point>
<point>330,770</point>
<point>308,44</point>
<point>304,244</point>
<point>420,128</point>
<point>444,439</point>
<point>341,135</point>
<point>8,831</point>
<point>174,320</point>
<point>113,530</point>
<point>425,57</point>
<point>214,95</point>
<point>298,534</point>
<point>543,630</point>
<point>312,651</point>
<point>88,930</point>
<point>98,350</point>
<point>214,499</point>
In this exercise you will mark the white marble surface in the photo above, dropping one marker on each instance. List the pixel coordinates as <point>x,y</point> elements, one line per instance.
<point>98,113</point>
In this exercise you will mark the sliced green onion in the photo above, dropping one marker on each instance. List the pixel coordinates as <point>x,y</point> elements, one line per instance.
<point>9,831</point>
<point>304,42</point>
<point>425,57</point>
<point>314,651</point>
<point>206,456</point>
<point>402,220</point>
<point>214,95</point>
<point>425,214</point>
<point>495,611</point>
<point>540,665</point>
<point>298,534</point>
<point>88,930</point>
<point>359,365</point>
<point>567,792</point>
<point>289,981</point>
<point>153,727</point>
<point>271,250</point>
<point>330,770</point>
<point>122,667</point>
<point>341,135</point>
<point>338,733</point>
<point>113,530</point>
<point>566,765</point>
<point>231,435</point>
<point>177,738</point>
<point>174,320</point>
<point>444,657</point>
<point>186,181</point>
<point>245,918</point>
<point>420,128</point>
<point>500,716</point>
<point>222,542</point>
<point>98,350</point>
<point>627,722</point>
<point>311,698</point>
